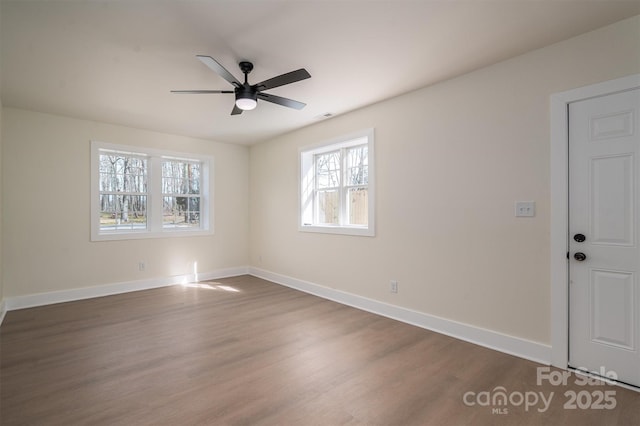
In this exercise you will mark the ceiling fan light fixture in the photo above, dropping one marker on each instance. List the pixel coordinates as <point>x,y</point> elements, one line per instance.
<point>246,104</point>
<point>246,98</point>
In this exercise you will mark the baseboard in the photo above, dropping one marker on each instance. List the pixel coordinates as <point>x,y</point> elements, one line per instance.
<point>40,299</point>
<point>3,310</point>
<point>516,346</point>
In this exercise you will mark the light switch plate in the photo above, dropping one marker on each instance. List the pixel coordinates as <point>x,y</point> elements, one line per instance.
<point>525,208</point>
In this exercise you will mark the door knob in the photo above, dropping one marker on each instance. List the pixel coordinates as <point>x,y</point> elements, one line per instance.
<point>579,256</point>
<point>579,238</point>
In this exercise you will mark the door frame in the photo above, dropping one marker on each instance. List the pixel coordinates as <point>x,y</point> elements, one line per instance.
<point>559,238</point>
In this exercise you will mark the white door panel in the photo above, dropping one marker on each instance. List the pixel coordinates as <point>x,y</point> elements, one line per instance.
<point>604,296</point>
<point>612,211</point>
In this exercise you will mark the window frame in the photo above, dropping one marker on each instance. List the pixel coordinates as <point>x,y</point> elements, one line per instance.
<point>155,227</point>
<point>307,185</point>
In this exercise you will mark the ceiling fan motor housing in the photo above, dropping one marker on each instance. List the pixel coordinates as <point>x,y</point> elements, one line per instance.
<point>246,92</point>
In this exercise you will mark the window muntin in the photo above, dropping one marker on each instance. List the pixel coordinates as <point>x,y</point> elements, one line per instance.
<point>147,193</point>
<point>335,186</point>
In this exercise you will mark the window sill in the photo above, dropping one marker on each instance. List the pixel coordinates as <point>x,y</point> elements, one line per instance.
<point>142,235</point>
<point>343,230</point>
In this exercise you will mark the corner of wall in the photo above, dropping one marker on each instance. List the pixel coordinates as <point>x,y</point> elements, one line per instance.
<point>2,301</point>
<point>2,304</point>
<point>3,310</point>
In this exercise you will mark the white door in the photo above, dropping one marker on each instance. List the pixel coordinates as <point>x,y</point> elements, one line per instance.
<point>604,222</point>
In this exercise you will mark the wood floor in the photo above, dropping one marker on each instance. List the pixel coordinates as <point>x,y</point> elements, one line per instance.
<point>243,351</point>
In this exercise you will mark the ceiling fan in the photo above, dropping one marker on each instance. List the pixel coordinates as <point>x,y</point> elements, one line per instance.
<point>247,95</point>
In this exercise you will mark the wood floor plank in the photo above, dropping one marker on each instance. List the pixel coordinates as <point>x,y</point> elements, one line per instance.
<point>243,351</point>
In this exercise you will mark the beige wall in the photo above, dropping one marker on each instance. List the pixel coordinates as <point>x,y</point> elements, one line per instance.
<point>1,225</point>
<point>46,197</point>
<point>451,160</point>
<point>1,220</point>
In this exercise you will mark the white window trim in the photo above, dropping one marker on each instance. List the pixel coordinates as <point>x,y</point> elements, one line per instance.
<point>154,203</point>
<point>305,168</point>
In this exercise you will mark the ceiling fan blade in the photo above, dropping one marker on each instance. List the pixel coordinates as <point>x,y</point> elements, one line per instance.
<point>281,80</point>
<point>201,92</point>
<point>219,69</point>
<point>281,101</point>
<point>236,110</point>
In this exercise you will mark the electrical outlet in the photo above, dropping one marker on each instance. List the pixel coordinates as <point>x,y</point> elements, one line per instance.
<point>142,266</point>
<point>393,286</point>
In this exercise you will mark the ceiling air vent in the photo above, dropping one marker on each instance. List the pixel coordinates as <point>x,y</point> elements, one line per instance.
<point>324,116</point>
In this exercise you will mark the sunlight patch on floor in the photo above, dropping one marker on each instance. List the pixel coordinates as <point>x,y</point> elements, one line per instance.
<point>211,286</point>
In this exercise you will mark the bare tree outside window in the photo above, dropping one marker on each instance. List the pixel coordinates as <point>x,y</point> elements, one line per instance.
<point>140,192</point>
<point>123,191</point>
<point>181,194</point>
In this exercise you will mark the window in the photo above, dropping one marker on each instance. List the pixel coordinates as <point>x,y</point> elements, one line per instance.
<point>145,193</point>
<point>337,187</point>
<point>123,191</point>
<point>180,194</point>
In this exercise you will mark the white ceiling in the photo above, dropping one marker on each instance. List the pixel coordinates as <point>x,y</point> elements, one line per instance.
<point>116,61</point>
